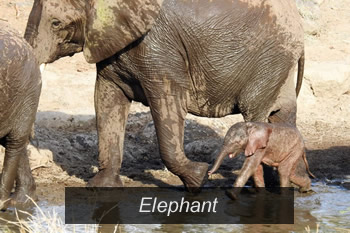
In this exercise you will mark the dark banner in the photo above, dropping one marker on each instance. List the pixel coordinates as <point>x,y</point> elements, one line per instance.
<point>175,206</point>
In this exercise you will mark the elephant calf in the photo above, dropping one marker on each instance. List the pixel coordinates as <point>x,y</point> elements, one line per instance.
<point>20,87</point>
<point>277,145</point>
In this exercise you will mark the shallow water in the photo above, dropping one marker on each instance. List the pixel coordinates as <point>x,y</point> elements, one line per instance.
<point>328,210</point>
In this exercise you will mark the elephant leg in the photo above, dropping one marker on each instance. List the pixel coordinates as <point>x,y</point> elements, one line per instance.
<point>15,149</point>
<point>285,107</point>
<point>250,167</point>
<point>285,111</point>
<point>25,184</point>
<point>259,177</point>
<point>169,114</point>
<point>303,181</point>
<point>112,109</point>
<point>286,167</point>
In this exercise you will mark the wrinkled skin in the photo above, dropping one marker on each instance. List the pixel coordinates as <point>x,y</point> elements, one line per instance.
<point>278,145</point>
<point>208,58</point>
<point>20,86</point>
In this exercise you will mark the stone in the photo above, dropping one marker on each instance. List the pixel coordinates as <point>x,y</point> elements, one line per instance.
<point>328,79</point>
<point>39,157</point>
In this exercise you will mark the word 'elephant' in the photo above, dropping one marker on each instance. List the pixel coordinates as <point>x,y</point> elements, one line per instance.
<point>208,58</point>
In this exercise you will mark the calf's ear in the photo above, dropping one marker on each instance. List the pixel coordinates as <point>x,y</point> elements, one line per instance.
<point>112,25</point>
<point>258,137</point>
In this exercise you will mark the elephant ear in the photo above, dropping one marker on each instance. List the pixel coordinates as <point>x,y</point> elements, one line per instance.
<point>258,137</point>
<point>113,24</point>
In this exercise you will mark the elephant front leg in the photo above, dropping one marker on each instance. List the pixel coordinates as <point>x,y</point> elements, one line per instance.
<point>112,109</point>
<point>259,177</point>
<point>169,117</point>
<point>251,165</point>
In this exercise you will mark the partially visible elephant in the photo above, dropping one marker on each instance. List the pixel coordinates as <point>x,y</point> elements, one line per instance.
<point>278,145</point>
<point>208,58</point>
<point>20,87</point>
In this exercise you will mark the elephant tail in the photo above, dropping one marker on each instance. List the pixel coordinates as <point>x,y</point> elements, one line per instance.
<point>307,165</point>
<point>300,76</point>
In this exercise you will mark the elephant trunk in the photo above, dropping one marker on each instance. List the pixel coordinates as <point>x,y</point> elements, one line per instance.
<point>219,160</point>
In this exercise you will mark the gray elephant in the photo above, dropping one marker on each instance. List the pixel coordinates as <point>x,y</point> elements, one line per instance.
<point>208,58</point>
<point>278,145</point>
<point>20,86</point>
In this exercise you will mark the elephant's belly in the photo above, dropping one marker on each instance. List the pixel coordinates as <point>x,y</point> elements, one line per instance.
<point>206,108</point>
<point>270,162</point>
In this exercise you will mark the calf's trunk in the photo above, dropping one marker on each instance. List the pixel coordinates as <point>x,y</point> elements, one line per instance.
<point>219,160</point>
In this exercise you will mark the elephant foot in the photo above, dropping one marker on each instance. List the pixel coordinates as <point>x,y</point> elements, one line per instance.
<point>20,196</point>
<point>306,190</point>
<point>105,178</point>
<point>196,176</point>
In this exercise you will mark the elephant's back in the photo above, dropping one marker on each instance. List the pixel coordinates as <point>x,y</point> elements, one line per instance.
<point>207,21</point>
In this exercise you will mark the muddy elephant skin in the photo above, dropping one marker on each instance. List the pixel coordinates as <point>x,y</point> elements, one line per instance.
<point>207,58</point>
<point>20,86</point>
<point>279,145</point>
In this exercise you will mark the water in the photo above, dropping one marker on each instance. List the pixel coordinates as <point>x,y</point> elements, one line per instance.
<point>327,210</point>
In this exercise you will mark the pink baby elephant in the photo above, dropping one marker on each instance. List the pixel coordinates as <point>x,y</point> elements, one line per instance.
<point>277,145</point>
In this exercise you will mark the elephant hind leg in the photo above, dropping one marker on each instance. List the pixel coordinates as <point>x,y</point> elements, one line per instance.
<point>287,166</point>
<point>303,181</point>
<point>285,107</point>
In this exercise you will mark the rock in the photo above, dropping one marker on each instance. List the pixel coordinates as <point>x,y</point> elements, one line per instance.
<point>39,157</point>
<point>310,11</point>
<point>328,79</point>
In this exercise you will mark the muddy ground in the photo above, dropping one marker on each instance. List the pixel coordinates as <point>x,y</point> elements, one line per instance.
<point>67,139</point>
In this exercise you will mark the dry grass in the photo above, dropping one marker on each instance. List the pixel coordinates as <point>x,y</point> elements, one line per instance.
<point>48,222</point>
<point>308,229</point>
<point>337,229</point>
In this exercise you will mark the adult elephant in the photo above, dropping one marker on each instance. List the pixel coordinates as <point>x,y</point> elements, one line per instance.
<point>210,58</point>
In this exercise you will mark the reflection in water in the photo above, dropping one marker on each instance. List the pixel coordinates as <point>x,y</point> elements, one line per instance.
<point>329,207</point>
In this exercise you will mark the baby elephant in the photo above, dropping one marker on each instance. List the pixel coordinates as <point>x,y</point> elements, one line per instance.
<point>277,145</point>
<point>20,87</point>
